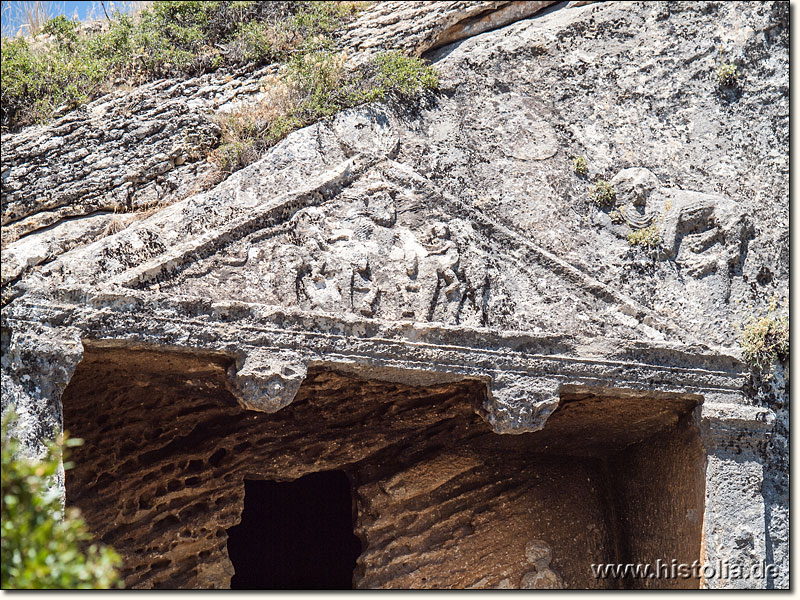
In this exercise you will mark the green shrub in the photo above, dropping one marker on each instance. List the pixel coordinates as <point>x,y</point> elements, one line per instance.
<point>603,193</point>
<point>64,31</point>
<point>43,548</point>
<point>255,41</point>
<point>765,339</point>
<point>169,39</point>
<point>35,83</point>
<point>727,75</point>
<point>320,18</point>
<point>647,237</point>
<point>580,165</point>
<point>403,76</point>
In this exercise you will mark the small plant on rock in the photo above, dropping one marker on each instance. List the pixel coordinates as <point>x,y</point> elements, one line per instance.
<point>647,237</point>
<point>580,165</point>
<point>603,193</point>
<point>765,339</point>
<point>617,216</point>
<point>727,75</point>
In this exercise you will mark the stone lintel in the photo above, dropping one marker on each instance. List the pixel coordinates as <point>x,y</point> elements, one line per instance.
<point>271,349</point>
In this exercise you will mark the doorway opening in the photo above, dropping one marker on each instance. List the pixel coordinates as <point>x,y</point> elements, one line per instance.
<point>295,535</point>
<point>442,501</point>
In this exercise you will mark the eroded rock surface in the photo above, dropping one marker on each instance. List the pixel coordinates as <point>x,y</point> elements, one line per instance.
<point>442,501</point>
<point>418,27</point>
<point>428,263</point>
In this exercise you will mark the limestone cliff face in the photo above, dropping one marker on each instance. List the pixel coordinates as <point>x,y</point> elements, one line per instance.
<point>623,85</point>
<point>463,217</point>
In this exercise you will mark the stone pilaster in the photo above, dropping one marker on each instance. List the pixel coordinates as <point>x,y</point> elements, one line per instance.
<point>735,531</point>
<point>37,364</point>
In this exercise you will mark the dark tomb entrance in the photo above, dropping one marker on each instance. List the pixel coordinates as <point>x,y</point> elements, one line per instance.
<point>295,535</point>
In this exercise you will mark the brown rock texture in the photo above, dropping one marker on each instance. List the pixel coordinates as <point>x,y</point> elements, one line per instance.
<point>441,501</point>
<point>425,299</point>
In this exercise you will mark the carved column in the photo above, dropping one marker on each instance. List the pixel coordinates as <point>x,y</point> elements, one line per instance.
<point>735,531</point>
<point>38,363</point>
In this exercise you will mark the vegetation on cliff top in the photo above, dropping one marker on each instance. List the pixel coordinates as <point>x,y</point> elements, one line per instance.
<point>316,84</point>
<point>44,547</point>
<point>46,77</point>
<point>68,64</point>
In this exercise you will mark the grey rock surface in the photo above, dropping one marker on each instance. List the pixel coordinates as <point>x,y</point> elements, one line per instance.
<point>128,151</point>
<point>454,234</point>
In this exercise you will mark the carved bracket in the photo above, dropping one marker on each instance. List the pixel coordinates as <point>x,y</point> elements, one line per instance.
<point>265,380</point>
<point>519,403</point>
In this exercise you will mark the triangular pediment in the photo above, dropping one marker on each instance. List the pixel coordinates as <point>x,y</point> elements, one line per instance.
<point>369,237</point>
<point>392,247</point>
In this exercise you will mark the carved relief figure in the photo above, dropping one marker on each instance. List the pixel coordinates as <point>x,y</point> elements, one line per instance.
<point>704,234</point>
<point>540,576</point>
<point>354,254</point>
<point>446,251</point>
<point>434,279</point>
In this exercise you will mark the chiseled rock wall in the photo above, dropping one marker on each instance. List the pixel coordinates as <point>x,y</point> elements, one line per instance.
<point>441,500</point>
<point>464,210</point>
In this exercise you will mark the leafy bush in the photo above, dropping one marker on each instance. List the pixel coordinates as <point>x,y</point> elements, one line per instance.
<point>43,548</point>
<point>647,237</point>
<point>603,193</point>
<point>169,39</point>
<point>64,31</point>
<point>34,84</point>
<point>765,339</point>
<point>400,76</point>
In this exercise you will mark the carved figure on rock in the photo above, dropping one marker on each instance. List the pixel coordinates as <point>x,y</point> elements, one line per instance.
<point>541,576</point>
<point>361,282</point>
<point>446,249</point>
<point>435,279</point>
<point>633,187</point>
<point>315,279</point>
<point>411,287</point>
<point>705,234</point>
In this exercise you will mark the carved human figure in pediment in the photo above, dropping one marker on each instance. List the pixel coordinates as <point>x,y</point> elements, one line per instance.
<point>377,250</point>
<point>445,253</point>
<point>633,187</point>
<point>703,233</point>
<point>430,266</point>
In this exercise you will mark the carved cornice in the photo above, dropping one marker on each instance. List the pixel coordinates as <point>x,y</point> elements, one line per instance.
<point>525,373</point>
